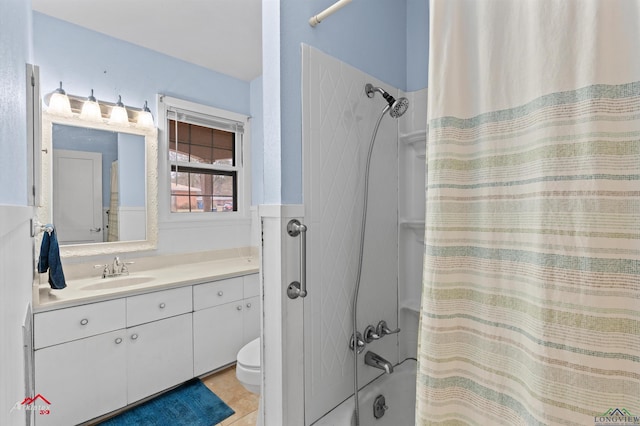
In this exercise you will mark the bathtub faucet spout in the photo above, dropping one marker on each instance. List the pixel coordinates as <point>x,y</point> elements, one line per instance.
<point>375,360</point>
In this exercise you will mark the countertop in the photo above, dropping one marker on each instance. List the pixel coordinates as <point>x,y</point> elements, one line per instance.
<point>155,278</point>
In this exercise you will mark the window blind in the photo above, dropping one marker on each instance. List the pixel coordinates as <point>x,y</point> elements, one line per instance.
<point>192,117</point>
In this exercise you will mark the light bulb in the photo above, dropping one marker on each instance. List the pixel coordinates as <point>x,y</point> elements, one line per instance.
<point>91,109</point>
<point>59,103</point>
<point>145,119</point>
<point>119,114</point>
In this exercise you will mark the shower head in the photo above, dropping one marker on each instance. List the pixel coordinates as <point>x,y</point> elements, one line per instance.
<point>397,107</point>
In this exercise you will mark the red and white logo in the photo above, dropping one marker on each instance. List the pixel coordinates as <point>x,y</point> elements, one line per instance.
<point>38,403</point>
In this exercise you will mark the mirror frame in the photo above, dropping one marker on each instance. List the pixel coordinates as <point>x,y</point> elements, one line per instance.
<point>45,211</point>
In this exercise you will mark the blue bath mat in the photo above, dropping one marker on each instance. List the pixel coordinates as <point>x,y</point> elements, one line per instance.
<point>190,404</point>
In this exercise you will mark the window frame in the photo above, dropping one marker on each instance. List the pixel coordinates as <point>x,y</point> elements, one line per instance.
<point>166,104</point>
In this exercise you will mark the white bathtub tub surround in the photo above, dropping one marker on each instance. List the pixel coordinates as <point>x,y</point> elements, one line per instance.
<point>339,123</point>
<point>399,391</point>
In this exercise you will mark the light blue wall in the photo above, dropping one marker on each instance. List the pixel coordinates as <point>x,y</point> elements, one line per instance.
<point>370,35</point>
<point>417,44</point>
<point>257,143</point>
<point>84,59</point>
<point>15,52</point>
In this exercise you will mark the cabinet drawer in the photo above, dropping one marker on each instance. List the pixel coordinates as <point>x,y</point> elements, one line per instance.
<point>64,325</point>
<point>251,285</point>
<point>217,293</point>
<point>158,305</point>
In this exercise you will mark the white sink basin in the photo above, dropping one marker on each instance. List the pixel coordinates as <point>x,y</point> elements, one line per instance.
<point>118,282</point>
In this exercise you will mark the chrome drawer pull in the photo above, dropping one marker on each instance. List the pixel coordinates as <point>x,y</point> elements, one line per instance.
<point>118,340</point>
<point>162,305</point>
<point>239,307</point>
<point>84,321</point>
<point>134,336</point>
<point>248,305</point>
<point>220,293</point>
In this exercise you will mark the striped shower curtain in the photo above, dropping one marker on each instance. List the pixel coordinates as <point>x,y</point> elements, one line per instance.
<point>531,295</point>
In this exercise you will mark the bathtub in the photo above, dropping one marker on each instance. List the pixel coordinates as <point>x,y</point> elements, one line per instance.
<point>399,390</point>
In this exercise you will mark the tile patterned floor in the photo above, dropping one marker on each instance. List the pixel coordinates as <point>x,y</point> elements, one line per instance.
<point>225,384</point>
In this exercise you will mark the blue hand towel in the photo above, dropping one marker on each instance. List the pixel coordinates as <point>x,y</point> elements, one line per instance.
<point>50,260</point>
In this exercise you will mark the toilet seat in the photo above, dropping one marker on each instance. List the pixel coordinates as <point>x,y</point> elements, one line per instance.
<point>249,355</point>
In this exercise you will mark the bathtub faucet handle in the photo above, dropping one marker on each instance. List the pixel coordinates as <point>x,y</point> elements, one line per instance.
<point>357,343</point>
<point>370,334</point>
<point>382,329</point>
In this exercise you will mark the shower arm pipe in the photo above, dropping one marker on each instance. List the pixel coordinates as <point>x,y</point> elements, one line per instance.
<point>315,20</point>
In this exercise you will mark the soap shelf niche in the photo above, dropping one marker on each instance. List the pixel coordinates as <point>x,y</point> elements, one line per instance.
<point>417,141</point>
<point>411,305</point>
<point>415,225</point>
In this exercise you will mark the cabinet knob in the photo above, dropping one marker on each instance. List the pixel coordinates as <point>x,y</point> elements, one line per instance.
<point>239,307</point>
<point>84,321</point>
<point>118,340</point>
<point>220,293</point>
<point>162,305</point>
<point>134,336</point>
<point>249,305</point>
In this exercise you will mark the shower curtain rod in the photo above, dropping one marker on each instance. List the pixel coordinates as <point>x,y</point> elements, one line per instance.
<point>315,20</point>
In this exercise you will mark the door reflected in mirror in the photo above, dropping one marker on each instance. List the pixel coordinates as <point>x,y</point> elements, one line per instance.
<point>98,185</point>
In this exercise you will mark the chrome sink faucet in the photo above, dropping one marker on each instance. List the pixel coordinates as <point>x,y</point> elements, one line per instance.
<point>375,360</point>
<point>116,268</point>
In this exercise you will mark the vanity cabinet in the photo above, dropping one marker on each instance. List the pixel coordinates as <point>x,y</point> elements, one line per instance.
<point>159,355</point>
<point>99,357</point>
<point>159,341</point>
<point>226,316</point>
<point>82,379</point>
<point>131,356</point>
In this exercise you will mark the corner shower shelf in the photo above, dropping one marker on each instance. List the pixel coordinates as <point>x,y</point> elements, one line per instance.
<point>418,141</point>
<point>416,225</point>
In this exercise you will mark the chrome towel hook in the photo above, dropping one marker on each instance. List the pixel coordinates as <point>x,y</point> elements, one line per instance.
<point>37,228</point>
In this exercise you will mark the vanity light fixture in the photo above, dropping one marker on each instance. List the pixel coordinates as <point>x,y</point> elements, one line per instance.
<point>119,113</point>
<point>145,119</point>
<point>59,103</point>
<point>91,109</point>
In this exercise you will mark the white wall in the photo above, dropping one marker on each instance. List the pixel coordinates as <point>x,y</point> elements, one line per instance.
<point>15,295</point>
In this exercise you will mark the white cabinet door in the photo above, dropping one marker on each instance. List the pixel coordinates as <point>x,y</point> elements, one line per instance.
<point>82,379</point>
<point>251,324</point>
<point>217,336</point>
<point>159,355</point>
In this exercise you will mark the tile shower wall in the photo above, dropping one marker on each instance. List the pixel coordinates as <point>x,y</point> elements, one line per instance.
<point>338,122</point>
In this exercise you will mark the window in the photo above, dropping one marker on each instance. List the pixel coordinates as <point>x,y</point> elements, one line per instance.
<point>205,160</point>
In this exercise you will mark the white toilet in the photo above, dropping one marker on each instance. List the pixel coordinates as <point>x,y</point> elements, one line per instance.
<point>249,370</point>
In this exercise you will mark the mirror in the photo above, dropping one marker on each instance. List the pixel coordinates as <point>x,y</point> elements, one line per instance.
<point>99,185</point>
